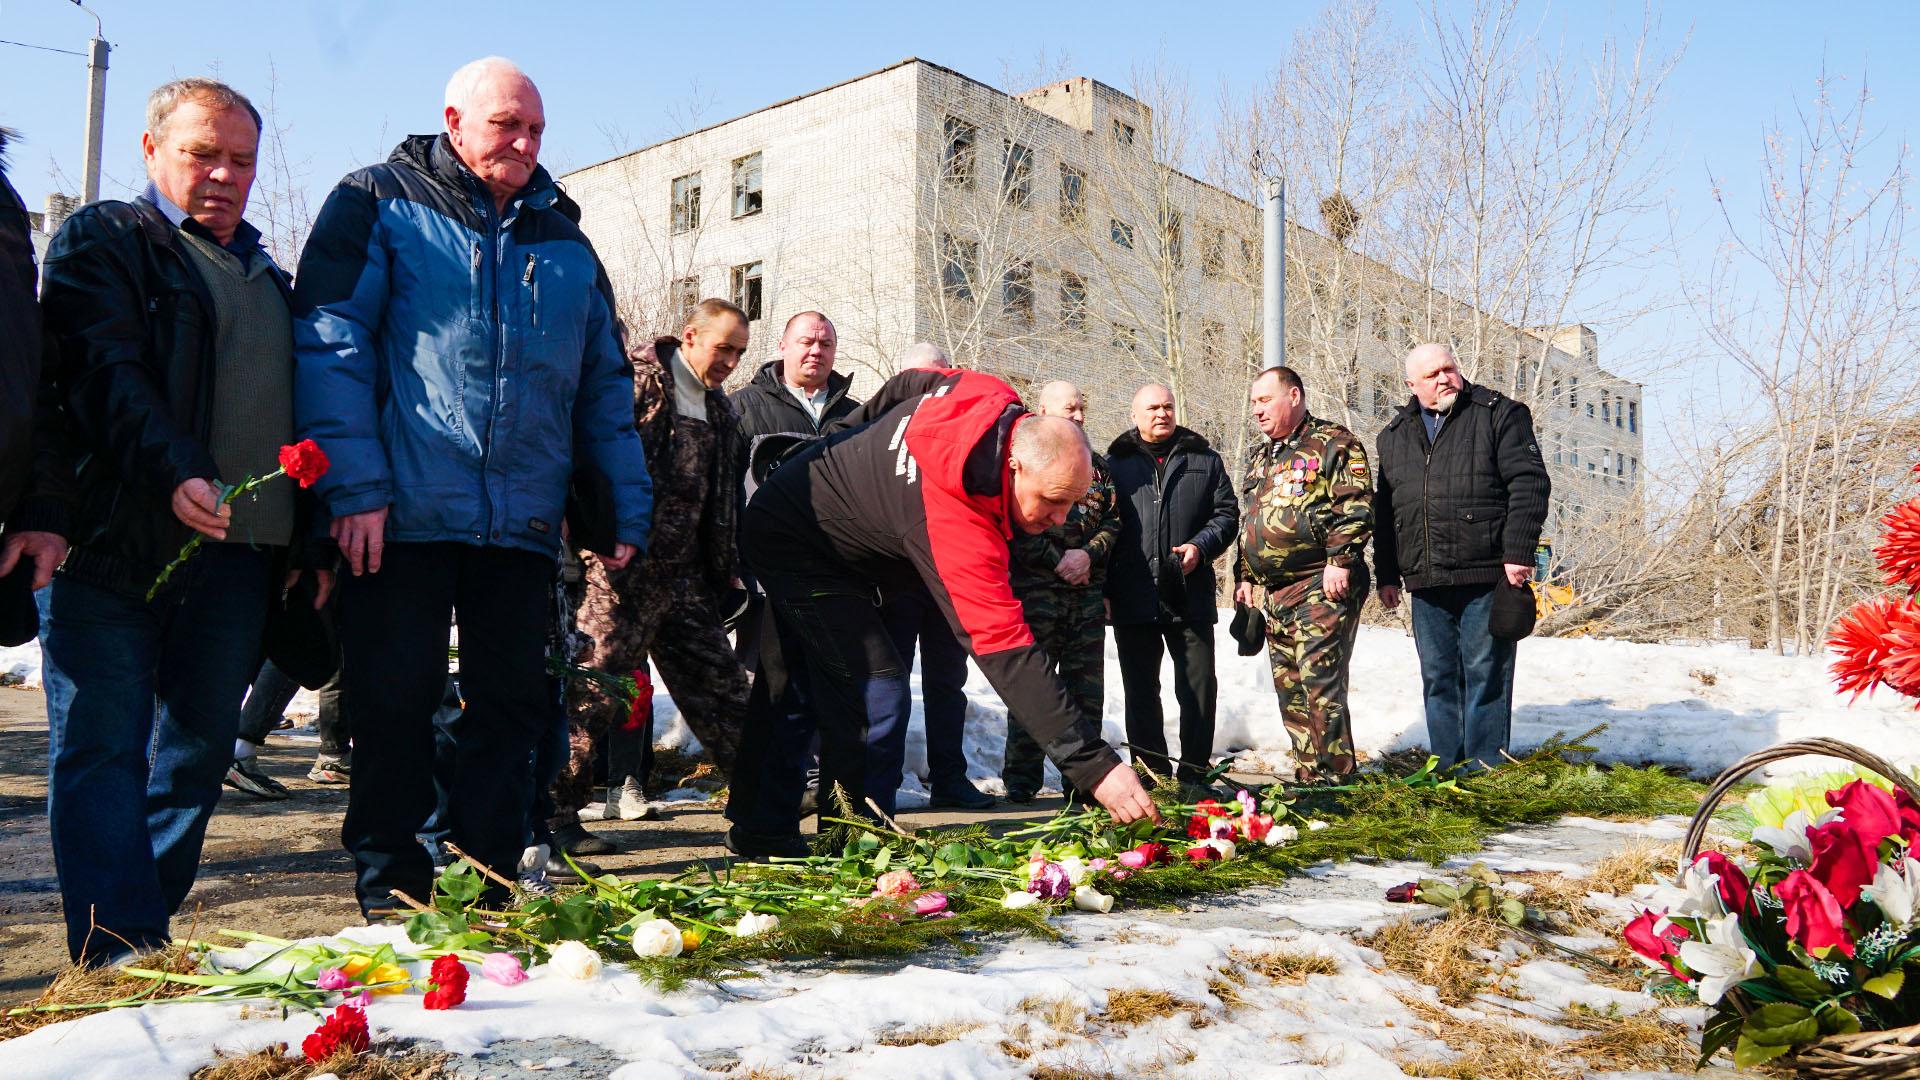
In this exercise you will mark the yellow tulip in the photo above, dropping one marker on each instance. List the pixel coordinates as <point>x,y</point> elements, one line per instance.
<point>389,973</point>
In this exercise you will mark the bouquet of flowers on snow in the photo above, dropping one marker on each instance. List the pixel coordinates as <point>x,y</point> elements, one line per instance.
<point>1811,939</point>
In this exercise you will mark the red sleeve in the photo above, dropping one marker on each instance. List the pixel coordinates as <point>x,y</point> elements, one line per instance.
<point>968,555</point>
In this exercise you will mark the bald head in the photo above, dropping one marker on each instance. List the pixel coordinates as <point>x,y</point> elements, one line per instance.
<point>1052,468</point>
<point>1152,412</point>
<point>924,354</point>
<point>1433,376</point>
<point>1061,398</point>
<point>495,121</point>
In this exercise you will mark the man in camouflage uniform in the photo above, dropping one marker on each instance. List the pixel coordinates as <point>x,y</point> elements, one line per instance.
<point>1058,576</point>
<point>1308,515</point>
<point>666,605</point>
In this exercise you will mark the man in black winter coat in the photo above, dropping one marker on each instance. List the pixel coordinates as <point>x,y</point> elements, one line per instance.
<point>1461,495</point>
<point>19,343</point>
<point>1178,513</point>
<point>799,391</point>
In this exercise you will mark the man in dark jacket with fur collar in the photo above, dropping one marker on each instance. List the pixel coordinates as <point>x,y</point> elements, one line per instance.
<point>1461,495</point>
<point>1178,513</point>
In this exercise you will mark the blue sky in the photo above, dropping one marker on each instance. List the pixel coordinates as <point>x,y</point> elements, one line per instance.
<point>355,75</point>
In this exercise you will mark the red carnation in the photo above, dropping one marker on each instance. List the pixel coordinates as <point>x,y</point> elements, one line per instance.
<point>304,461</point>
<point>449,981</point>
<point>642,706</point>
<point>347,1027</point>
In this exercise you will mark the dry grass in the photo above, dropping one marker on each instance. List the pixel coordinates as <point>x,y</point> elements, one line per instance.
<point>1137,1005</point>
<point>86,986</point>
<point>1483,1050</point>
<point>1226,990</point>
<point>1440,952</point>
<point>1635,864</point>
<point>1057,1013</point>
<point>1640,1042</point>
<point>1068,1072</point>
<point>378,1063</point>
<point>1489,1050</point>
<point>1287,964</point>
<point>929,1034</point>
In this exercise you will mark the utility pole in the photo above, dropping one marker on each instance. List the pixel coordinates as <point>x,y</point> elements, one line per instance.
<point>1273,294</point>
<point>96,108</point>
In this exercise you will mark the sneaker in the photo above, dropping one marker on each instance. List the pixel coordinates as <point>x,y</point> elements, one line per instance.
<point>576,840</point>
<point>756,848</point>
<point>535,883</point>
<point>328,769</point>
<point>245,775</point>
<point>962,796</point>
<point>629,802</point>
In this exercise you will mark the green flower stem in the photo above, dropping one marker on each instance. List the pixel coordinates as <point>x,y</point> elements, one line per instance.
<point>227,495</point>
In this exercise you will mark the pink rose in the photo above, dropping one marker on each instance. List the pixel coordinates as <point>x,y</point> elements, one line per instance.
<point>931,903</point>
<point>503,968</point>
<point>1813,914</point>
<point>1133,859</point>
<point>333,979</point>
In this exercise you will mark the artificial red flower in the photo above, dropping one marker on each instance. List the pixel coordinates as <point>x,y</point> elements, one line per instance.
<point>1735,890</point>
<point>1153,853</point>
<point>1909,817</point>
<point>1403,893</point>
<point>1648,936</point>
<point>1203,853</point>
<point>1879,645</point>
<point>347,1027</point>
<point>1844,859</point>
<point>449,981</point>
<point>1813,914</point>
<point>304,461</point>
<point>642,707</point>
<point>1899,549</point>
<point>1868,808</point>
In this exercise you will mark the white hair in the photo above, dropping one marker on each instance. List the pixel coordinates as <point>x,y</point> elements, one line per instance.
<point>924,354</point>
<point>470,77</point>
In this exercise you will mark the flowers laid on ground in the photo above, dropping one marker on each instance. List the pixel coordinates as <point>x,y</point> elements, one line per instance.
<point>1810,939</point>
<point>345,1030</point>
<point>304,461</point>
<point>447,983</point>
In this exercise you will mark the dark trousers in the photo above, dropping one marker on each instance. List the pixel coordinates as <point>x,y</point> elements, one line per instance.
<point>143,700</point>
<point>828,665</point>
<point>1466,675</point>
<point>1195,688</point>
<point>1071,625</point>
<point>267,702</point>
<point>943,685</point>
<point>394,630</point>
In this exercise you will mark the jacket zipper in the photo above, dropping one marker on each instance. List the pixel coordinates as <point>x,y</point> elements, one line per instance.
<point>526,281</point>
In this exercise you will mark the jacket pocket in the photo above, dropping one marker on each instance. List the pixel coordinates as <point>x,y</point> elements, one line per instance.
<point>1480,528</point>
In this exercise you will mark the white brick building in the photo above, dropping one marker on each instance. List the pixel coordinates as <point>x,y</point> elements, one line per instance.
<point>1036,237</point>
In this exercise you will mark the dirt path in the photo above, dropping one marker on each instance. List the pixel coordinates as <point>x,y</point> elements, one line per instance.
<point>271,867</point>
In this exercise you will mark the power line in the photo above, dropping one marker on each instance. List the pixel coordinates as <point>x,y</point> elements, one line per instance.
<point>42,48</point>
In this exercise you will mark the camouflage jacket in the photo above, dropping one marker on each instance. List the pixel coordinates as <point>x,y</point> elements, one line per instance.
<point>712,535</point>
<point>1308,500</point>
<point>1093,524</point>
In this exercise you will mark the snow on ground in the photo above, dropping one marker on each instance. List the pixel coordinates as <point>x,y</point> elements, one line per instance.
<point>1044,999</point>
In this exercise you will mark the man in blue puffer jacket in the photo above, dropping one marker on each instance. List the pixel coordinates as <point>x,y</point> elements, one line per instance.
<point>459,361</point>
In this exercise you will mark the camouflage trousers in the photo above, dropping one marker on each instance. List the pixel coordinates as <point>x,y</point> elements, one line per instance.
<point>1309,642</point>
<point>667,613</point>
<point>1070,624</point>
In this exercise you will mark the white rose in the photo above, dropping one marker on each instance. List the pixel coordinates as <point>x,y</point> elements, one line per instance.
<point>755,923</point>
<point>1087,898</point>
<point>1016,900</point>
<point>1281,834</point>
<point>1224,847</point>
<point>656,937</point>
<point>1076,869</point>
<point>574,960</point>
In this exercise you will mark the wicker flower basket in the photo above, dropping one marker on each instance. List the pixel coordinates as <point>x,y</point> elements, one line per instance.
<point>1893,1054</point>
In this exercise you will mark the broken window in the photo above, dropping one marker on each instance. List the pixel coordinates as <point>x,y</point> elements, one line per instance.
<point>748,290</point>
<point>1213,252</point>
<point>957,258</point>
<point>1122,133</point>
<point>1016,290</point>
<point>686,293</point>
<point>1073,198</point>
<point>1121,232</point>
<point>1073,300</point>
<point>1126,338</point>
<point>1016,182</point>
<point>746,186</point>
<point>1170,237</point>
<point>956,158</point>
<point>1210,335</point>
<point>686,203</point>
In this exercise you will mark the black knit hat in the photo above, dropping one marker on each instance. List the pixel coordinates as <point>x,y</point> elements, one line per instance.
<point>1513,612</point>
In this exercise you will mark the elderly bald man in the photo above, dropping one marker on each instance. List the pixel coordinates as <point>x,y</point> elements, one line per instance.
<point>927,493</point>
<point>1059,576</point>
<point>1460,499</point>
<point>459,362</point>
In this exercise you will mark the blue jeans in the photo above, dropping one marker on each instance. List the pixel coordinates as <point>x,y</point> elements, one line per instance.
<point>943,682</point>
<point>143,701</point>
<point>1466,675</point>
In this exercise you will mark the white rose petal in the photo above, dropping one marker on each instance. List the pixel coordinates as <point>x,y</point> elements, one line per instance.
<point>656,937</point>
<point>574,960</point>
<point>1224,847</point>
<point>1087,898</point>
<point>1016,900</point>
<point>1280,834</point>
<point>755,923</point>
<point>1076,869</point>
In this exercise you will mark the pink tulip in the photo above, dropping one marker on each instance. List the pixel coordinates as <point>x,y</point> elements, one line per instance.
<point>1134,859</point>
<point>931,903</point>
<point>503,968</point>
<point>333,979</point>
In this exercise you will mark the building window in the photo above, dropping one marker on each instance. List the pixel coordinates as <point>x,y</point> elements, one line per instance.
<point>686,293</point>
<point>1349,318</point>
<point>1073,300</point>
<point>1016,290</point>
<point>1589,410</point>
<point>1633,468</point>
<point>748,288</point>
<point>1170,236</point>
<point>1573,392</point>
<point>1558,452</point>
<point>1606,408</point>
<point>1126,338</point>
<point>1353,392</point>
<point>1382,396</point>
<point>1213,251</point>
<point>1122,133</point>
<point>1633,417</point>
<point>686,203</point>
<point>1073,194</point>
<point>1619,412</point>
<point>746,186</point>
<point>957,258</point>
<point>1573,456</point>
<point>1250,256</point>
<point>1016,183</point>
<point>956,158</point>
<point>1211,334</point>
<point>1381,330</point>
<point>1121,233</point>
<point>1556,391</point>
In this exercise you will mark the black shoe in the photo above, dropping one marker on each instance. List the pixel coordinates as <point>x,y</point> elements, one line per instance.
<point>245,775</point>
<point>809,801</point>
<point>963,796</point>
<point>756,848</point>
<point>559,869</point>
<point>574,839</point>
<point>1021,795</point>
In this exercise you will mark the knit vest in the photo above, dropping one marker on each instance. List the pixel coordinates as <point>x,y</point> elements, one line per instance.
<point>252,387</point>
